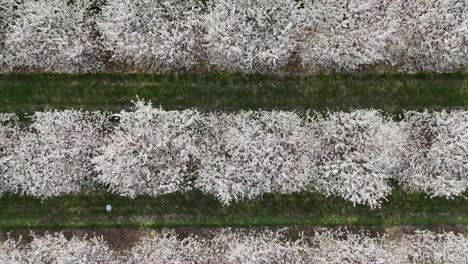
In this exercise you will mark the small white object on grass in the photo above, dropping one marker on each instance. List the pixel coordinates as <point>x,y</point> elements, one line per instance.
<point>108,208</point>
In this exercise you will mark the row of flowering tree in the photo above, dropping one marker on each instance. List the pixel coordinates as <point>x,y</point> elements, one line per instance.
<point>233,35</point>
<point>244,246</point>
<point>235,156</point>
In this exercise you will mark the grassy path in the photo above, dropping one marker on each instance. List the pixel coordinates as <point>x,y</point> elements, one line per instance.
<point>195,209</point>
<point>31,92</point>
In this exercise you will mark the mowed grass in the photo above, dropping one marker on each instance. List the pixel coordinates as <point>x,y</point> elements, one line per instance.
<point>390,92</point>
<point>194,209</point>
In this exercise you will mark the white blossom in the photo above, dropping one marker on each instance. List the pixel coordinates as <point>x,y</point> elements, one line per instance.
<point>57,249</point>
<point>260,247</point>
<point>156,35</point>
<point>435,154</point>
<point>8,139</point>
<point>251,36</point>
<point>7,14</point>
<point>10,252</point>
<point>356,155</point>
<point>51,35</point>
<point>151,152</point>
<point>432,35</point>
<point>235,156</point>
<point>436,248</point>
<point>338,247</point>
<point>167,248</point>
<point>228,246</point>
<point>347,35</point>
<point>247,154</point>
<point>53,155</point>
<point>247,36</point>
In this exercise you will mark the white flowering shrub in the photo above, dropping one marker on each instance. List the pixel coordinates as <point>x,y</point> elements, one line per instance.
<point>251,36</point>
<point>247,154</point>
<point>435,248</point>
<point>225,246</point>
<point>336,247</point>
<point>247,36</point>
<point>51,35</point>
<point>347,35</point>
<point>228,246</point>
<point>7,14</point>
<point>8,139</point>
<point>407,35</point>
<point>57,249</point>
<point>259,247</point>
<point>234,156</point>
<point>355,156</point>
<point>154,35</point>
<point>167,248</point>
<point>8,127</point>
<point>151,151</point>
<point>433,35</point>
<point>10,252</point>
<point>53,155</point>
<point>435,154</point>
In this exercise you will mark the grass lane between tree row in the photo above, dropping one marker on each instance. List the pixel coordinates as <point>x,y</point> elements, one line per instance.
<point>194,209</point>
<point>393,93</point>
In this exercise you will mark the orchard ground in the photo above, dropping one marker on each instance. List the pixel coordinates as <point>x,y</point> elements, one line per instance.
<point>393,93</point>
<point>195,209</point>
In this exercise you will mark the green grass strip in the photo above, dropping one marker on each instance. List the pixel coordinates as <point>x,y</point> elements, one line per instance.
<point>324,221</point>
<point>390,92</point>
<point>194,209</point>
